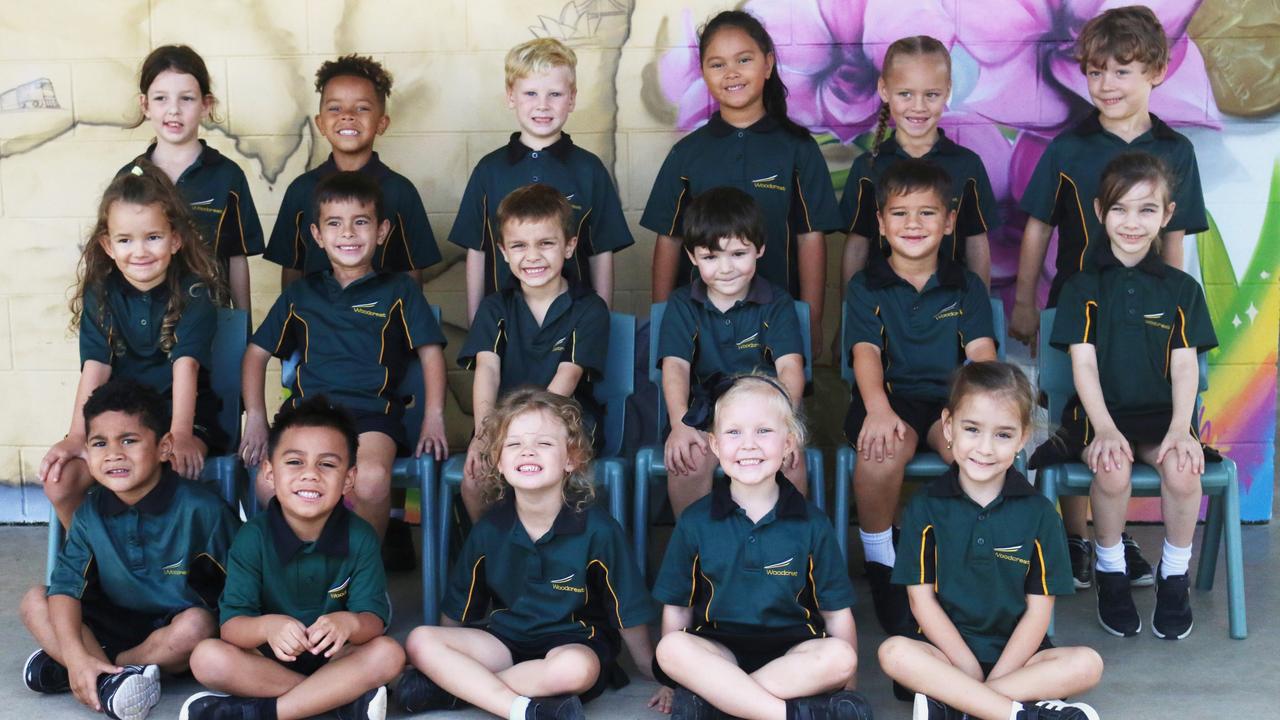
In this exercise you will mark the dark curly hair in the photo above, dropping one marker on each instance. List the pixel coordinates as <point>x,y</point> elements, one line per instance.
<point>361,66</point>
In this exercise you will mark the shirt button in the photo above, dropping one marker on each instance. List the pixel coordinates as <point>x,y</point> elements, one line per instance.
<point>726,323</point>
<point>751,538</point>
<point>741,134</point>
<point>533,155</point>
<point>982,541</point>
<point>535,178</point>
<point>143,321</point>
<point>1131,291</point>
<point>983,516</point>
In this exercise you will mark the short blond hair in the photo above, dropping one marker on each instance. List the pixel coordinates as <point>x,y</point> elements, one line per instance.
<point>538,56</point>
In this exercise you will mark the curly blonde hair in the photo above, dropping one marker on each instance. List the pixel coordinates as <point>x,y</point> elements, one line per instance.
<point>577,490</point>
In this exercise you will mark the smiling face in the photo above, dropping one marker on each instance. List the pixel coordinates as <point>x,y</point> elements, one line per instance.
<point>349,233</point>
<point>535,452</point>
<point>125,455</point>
<point>735,68</point>
<point>914,223</point>
<point>985,433</point>
<point>536,250</point>
<point>141,242</point>
<point>1122,91</point>
<point>727,271</point>
<point>310,471</point>
<point>542,102</point>
<point>916,88</point>
<point>1134,221</point>
<point>175,107</point>
<point>351,115</point>
<point>751,436</point>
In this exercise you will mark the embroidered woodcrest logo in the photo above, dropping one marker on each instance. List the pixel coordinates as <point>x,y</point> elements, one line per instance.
<point>339,591</point>
<point>369,308</point>
<point>563,585</point>
<point>177,568</point>
<point>1007,553</point>
<point>950,311</point>
<point>781,568</point>
<point>769,183</point>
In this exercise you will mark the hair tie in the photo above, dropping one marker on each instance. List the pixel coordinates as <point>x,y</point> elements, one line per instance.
<point>136,170</point>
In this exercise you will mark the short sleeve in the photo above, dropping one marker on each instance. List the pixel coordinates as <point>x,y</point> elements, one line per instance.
<point>242,595</point>
<point>1193,328</point>
<point>95,341</point>
<point>679,332</point>
<point>589,340</point>
<point>674,585</point>
<point>976,321</point>
<point>978,213</point>
<point>916,562</point>
<point>862,309</point>
<point>411,244</point>
<point>830,573</point>
<point>782,335</point>
<point>289,240</point>
<point>817,211</point>
<point>486,334</point>
<point>668,198</point>
<point>1050,569</point>
<point>632,603</point>
<point>421,326</point>
<point>207,575</point>
<point>607,225</point>
<point>1040,197</point>
<point>368,588</point>
<point>272,335</point>
<point>466,597</point>
<point>1076,320</point>
<point>73,571</point>
<point>1189,214</point>
<point>193,336</point>
<point>468,226</point>
<point>858,203</point>
<point>240,230</point>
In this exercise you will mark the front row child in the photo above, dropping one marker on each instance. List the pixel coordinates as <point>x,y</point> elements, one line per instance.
<point>550,573</point>
<point>757,621</point>
<point>911,322</point>
<point>1134,327</point>
<point>305,606</point>
<point>136,583</point>
<point>983,555</point>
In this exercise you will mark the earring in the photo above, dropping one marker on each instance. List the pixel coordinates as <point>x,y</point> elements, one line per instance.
<point>948,444</point>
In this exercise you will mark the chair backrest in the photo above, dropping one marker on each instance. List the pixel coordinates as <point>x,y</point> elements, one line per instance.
<point>619,380</point>
<point>229,342</point>
<point>806,338</point>
<point>998,326</point>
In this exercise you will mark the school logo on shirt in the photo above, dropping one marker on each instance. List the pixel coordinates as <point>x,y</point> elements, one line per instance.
<point>781,568</point>
<point>1153,319</point>
<point>576,207</point>
<point>177,568</point>
<point>205,206</point>
<point>563,585</point>
<point>768,183</point>
<point>1007,553</point>
<point>339,591</point>
<point>950,311</point>
<point>751,342</point>
<point>558,346</point>
<point>369,308</point>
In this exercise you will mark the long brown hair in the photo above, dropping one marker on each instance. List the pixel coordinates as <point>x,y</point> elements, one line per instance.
<point>145,184</point>
<point>914,46</point>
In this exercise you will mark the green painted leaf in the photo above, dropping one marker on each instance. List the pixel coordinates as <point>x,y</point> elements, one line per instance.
<point>1216,273</point>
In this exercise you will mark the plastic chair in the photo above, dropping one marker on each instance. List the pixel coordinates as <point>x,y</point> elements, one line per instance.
<point>651,462</point>
<point>1219,482</point>
<point>925,465</point>
<point>610,471</point>
<point>229,340</point>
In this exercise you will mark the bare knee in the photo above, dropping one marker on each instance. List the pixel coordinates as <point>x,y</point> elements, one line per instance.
<point>838,660</point>
<point>577,670</point>
<point>384,659</point>
<point>190,627</point>
<point>1116,481</point>
<point>673,650</point>
<point>1086,664</point>
<point>1181,484</point>
<point>373,483</point>
<point>213,662</point>
<point>893,654</point>
<point>422,643</point>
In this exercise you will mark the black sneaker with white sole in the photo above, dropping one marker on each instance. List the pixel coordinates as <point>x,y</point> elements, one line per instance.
<point>557,707</point>
<point>218,706</point>
<point>841,705</point>
<point>415,693</point>
<point>685,705</point>
<point>131,693</point>
<point>1171,619</point>
<point>1138,568</point>
<point>1081,552</point>
<point>926,708</point>
<point>370,706</point>
<point>43,674</point>
<point>1057,710</point>
<point>1116,612</point>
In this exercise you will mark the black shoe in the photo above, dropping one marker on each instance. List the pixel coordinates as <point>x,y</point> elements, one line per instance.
<point>841,705</point>
<point>893,610</point>
<point>417,693</point>
<point>217,706</point>
<point>688,706</point>
<point>1116,612</point>
<point>1171,619</point>
<point>398,553</point>
<point>43,674</point>
<point>926,708</point>
<point>558,707</point>
<point>131,693</point>
<point>1081,551</point>
<point>1138,568</point>
<point>1057,710</point>
<point>370,706</point>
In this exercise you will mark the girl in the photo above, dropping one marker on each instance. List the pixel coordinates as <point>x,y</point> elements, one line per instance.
<point>983,555</point>
<point>914,86</point>
<point>145,309</point>
<point>750,144</point>
<point>756,622</point>
<point>175,98</point>
<point>550,573</point>
<point>1134,327</point>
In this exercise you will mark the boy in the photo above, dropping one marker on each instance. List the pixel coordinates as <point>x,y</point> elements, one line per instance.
<point>912,322</point>
<point>137,582</point>
<point>353,113</point>
<point>727,321</point>
<point>357,330</point>
<point>1123,54</point>
<point>305,606</point>
<point>547,331</point>
<point>542,89</point>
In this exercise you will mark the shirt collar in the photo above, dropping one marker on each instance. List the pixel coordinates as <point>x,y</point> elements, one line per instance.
<point>568,521</point>
<point>791,504</point>
<point>948,485</point>
<point>943,146</point>
<point>1092,125</point>
<point>332,540</point>
<point>720,128</point>
<point>207,156</point>
<point>374,168</point>
<point>154,502</point>
<point>759,292</point>
<point>1151,263</point>
<point>517,151</point>
<point>881,275</point>
<point>335,288</point>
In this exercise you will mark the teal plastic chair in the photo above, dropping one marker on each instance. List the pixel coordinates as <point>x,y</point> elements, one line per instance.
<point>610,471</point>
<point>651,462</point>
<point>924,466</point>
<point>229,341</point>
<point>1219,482</point>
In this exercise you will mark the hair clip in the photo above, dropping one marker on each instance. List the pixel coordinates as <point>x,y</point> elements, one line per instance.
<point>136,170</point>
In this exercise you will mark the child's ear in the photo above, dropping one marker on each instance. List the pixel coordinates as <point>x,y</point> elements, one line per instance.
<point>760,251</point>
<point>502,248</point>
<point>881,89</point>
<point>1168,213</point>
<point>105,243</point>
<point>951,222</point>
<point>714,444</point>
<point>142,105</point>
<point>384,229</point>
<point>1157,76</point>
<point>164,447</point>
<point>946,426</point>
<point>880,222</point>
<point>1097,211</point>
<point>266,475</point>
<point>384,123</point>
<point>770,62</point>
<point>511,97</point>
<point>570,245</point>
<point>315,234</point>
<point>349,482</point>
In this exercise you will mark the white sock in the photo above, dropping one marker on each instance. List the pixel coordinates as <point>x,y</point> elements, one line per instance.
<point>1174,560</point>
<point>1017,708</point>
<point>1110,559</point>
<point>518,708</point>
<point>878,547</point>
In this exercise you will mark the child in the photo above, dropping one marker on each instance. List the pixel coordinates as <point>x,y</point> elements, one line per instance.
<point>145,307</point>
<point>983,556</point>
<point>550,573</point>
<point>914,87</point>
<point>729,320</point>
<point>1134,327</point>
<point>305,608</point>
<point>175,98</point>
<point>542,89</point>
<point>752,145</point>
<point>913,320</point>
<point>548,331</point>
<point>365,326</point>
<point>136,584</point>
<point>353,113</point>
<point>1123,54</point>
<point>757,621</point>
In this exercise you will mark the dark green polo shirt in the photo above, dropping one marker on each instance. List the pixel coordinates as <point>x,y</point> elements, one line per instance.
<point>576,173</point>
<point>785,174</point>
<point>221,203</point>
<point>356,341</point>
<point>971,196</point>
<point>1065,182</point>
<point>270,571</point>
<point>983,561</point>
<point>121,327</point>
<point>1135,318</point>
<point>410,245</point>
<point>578,579</point>
<point>921,335</point>
<point>750,337</point>
<point>745,577</point>
<point>165,553</point>
<point>574,330</point>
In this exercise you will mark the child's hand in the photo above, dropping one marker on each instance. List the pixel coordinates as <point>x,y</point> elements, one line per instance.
<point>331,631</point>
<point>69,448</point>
<point>83,673</point>
<point>471,468</point>
<point>432,438</point>
<point>1024,324</point>
<point>1109,449</point>
<point>881,435</point>
<point>1188,451</point>
<point>661,700</point>
<point>287,637</point>
<point>187,456</point>
<point>253,444</point>
<point>685,446</point>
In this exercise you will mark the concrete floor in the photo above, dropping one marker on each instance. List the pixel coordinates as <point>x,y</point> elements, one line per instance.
<point>1205,676</point>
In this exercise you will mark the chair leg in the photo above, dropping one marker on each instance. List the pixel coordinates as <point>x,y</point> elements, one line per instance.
<point>611,475</point>
<point>53,547</point>
<point>444,527</point>
<point>640,512</point>
<point>817,483</point>
<point>1235,559</point>
<point>843,480</point>
<point>1210,541</point>
<point>430,553</point>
